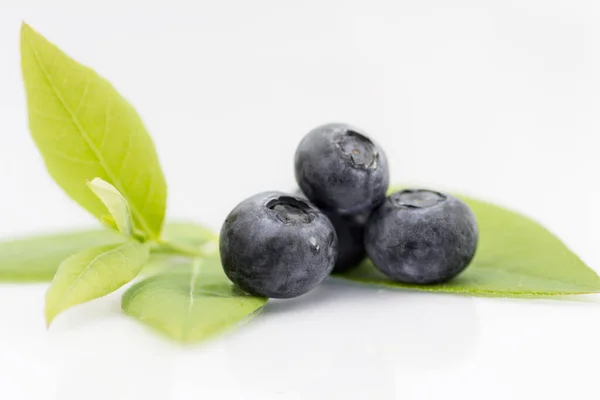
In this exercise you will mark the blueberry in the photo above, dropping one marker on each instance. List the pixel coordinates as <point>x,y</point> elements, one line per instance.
<point>341,170</point>
<point>277,245</point>
<point>350,231</point>
<point>421,236</point>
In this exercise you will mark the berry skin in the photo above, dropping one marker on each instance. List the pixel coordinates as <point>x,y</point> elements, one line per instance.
<point>340,170</point>
<point>350,231</point>
<point>277,245</point>
<point>421,236</point>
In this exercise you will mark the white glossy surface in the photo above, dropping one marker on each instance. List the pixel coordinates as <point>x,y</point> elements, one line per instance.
<point>492,98</point>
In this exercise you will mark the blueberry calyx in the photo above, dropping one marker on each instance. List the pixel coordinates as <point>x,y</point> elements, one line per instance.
<point>290,210</point>
<point>359,149</point>
<point>417,198</point>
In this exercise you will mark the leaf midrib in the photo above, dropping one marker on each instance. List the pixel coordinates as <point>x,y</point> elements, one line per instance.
<point>89,142</point>
<point>196,266</point>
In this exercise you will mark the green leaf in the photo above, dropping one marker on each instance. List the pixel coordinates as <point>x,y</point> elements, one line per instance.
<point>36,259</point>
<point>94,273</point>
<point>116,205</point>
<point>190,302</point>
<point>189,234</point>
<point>515,257</point>
<point>181,233</point>
<point>84,129</point>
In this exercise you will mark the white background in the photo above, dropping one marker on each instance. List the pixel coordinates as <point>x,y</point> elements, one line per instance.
<point>498,99</point>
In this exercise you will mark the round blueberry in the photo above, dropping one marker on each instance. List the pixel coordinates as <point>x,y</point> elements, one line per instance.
<point>341,170</point>
<point>277,245</point>
<point>421,236</point>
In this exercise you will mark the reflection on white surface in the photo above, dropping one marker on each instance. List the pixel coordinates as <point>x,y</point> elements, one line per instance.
<point>98,360</point>
<point>324,346</point>
<point>341,341</point>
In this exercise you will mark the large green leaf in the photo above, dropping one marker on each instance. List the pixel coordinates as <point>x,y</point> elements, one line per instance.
<point>36,259</point>
<point>190,302</point>
<point>94,273</point>
<point>84,129</point>
<point>515,257</point>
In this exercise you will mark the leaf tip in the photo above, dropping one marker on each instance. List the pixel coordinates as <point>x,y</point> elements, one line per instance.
<point>26,30</point>
<point>49,316</point>
<point>90,183</point>
<point>94,181</point>
<point>25,27</point>
<point>50,309</point>
<point>27,37</point>
<point>100,183</point>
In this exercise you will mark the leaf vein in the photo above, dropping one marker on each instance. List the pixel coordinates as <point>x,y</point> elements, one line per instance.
<point>88,266</point>
<point>70,158</point>
<point>49,116</point>
<point>83,95</point>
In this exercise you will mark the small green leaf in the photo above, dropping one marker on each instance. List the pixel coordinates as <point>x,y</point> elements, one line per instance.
<point>515,257</point>
<point>94,273</point>
<point>36,259</point>
<point>190,302</point>
<point>84,129</point>
<point>115,204</point>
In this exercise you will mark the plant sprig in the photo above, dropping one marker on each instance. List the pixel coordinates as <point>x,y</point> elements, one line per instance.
<point>99,152</point>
